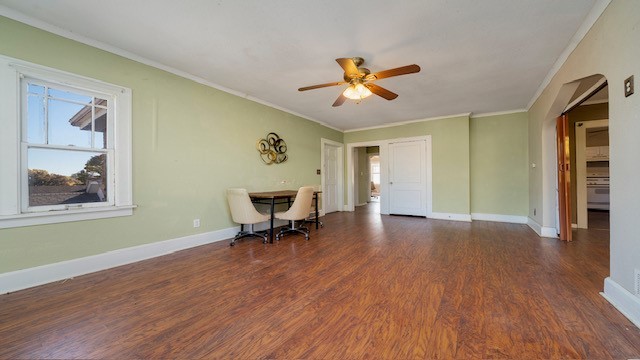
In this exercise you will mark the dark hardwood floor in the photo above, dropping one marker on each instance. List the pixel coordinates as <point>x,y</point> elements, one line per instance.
<point>598,219</point>
<point>364,286</point>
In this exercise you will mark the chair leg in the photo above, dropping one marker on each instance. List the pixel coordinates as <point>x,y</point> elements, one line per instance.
<point>292,228</point>
<point>250,232</point>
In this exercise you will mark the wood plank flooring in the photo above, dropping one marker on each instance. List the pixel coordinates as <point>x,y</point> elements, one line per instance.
<point>364,286</point>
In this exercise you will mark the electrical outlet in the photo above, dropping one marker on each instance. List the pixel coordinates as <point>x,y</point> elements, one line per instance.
<point>318,172</point>
<point>628,86</point>
<point>196,223</point>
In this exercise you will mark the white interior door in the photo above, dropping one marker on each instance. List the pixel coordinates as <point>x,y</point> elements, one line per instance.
<point>407,178</point>
<point>331,179</point>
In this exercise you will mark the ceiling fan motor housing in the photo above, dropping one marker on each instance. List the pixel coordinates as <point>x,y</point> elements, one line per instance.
<point>363,72</point>
<point>357,61</point>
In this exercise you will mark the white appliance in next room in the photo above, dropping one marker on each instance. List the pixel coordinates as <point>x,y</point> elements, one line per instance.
<point>598,188</point>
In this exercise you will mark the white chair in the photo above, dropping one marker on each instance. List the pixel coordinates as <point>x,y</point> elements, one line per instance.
<point>244,213</point>
<point>311,219</point>
<point>297,212</point>
<point>375,190</point>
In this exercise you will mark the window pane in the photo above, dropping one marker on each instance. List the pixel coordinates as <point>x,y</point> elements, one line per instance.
<point>35,119</point>
<point>67,95</point>
<point>69,124</point>
<point>66,177</point>
<point>100,128</point>
<point>36,89</point>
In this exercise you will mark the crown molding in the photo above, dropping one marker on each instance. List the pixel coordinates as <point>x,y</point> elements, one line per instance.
<point>399,123</point>
<point>498,113</point>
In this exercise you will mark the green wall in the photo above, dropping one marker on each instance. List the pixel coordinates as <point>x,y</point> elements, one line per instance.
<point>480,165</point>
<point>190,143</point>
<point>363,176</point>
<point>499,164</point>
<point>450,142</point>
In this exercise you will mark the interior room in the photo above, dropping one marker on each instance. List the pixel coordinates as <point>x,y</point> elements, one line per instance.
<point>373,154</point>
<point>320,180</point>
<point>589,139</point>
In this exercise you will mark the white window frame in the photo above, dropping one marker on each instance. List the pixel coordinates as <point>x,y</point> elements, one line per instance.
<point>14,212</point>
<point>108,150</point>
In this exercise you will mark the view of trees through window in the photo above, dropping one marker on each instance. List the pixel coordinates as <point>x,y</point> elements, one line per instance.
<point>86,185</point>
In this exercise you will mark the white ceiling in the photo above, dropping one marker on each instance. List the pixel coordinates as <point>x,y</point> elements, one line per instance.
<point>476,56</point>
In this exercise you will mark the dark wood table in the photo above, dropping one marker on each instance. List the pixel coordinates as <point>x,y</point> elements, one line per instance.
<point>278,197</point>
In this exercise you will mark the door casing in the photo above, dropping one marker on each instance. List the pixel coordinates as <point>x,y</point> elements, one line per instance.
<point>564,177</point>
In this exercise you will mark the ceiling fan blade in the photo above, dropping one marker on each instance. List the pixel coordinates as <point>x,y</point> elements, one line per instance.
<point>382,92</point>
<point>409,69</point>
<point>321,86</point>
<point>350,68</point>
<point>340,100</point>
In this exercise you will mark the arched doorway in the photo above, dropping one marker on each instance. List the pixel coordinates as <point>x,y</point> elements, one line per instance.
<point>570,97</point>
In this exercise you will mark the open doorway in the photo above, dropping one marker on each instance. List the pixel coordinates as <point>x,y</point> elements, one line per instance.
<point>367,177</point>
<point>373,153</point>
<point>590,151</point>
<point>587,127</point>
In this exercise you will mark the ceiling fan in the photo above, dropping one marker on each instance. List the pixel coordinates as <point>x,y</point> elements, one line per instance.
<point>361,80</point>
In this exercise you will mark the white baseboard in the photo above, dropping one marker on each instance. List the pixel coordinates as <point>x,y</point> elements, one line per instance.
<point>23,279</point>
<point>363,204</point>
<point>627,303</point>
<point>549,232</point>
<point>500,218</point>
<point>542,231</point>
<point>574,226</point>
<point>448,216</point>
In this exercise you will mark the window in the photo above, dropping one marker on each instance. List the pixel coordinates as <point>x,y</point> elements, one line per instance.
<point>66,147</point>
<point>67,153</point>
<point>375,169</point>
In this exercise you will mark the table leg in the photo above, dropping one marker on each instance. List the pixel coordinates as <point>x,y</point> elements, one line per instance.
<point>317,215</point>
<point>273,206</point>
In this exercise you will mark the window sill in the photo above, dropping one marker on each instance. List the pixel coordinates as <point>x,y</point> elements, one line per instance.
<point>54,217</point>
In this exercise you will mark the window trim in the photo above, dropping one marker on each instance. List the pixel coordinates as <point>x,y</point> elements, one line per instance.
<point>12,165</point>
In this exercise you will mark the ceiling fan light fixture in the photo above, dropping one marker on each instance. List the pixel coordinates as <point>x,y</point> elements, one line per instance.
<point>357,92</point>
